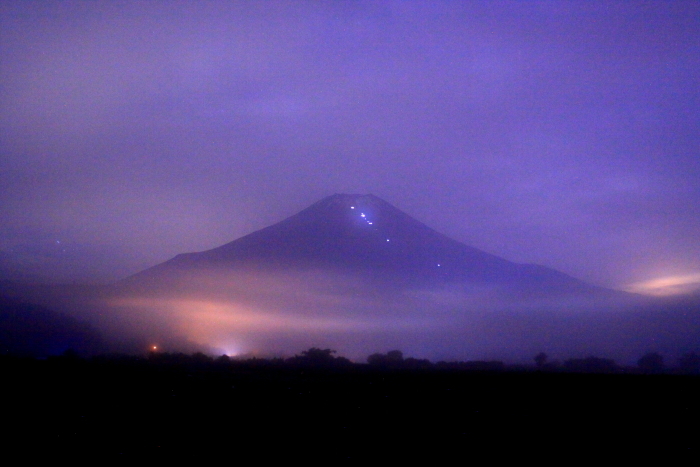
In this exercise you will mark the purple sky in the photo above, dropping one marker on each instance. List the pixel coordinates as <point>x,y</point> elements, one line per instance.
<point>560,133</point>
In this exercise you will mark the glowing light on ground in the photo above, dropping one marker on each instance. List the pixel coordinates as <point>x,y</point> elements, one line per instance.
<point>670,285</point>
<point>233,328</point>
<point>230,351</point>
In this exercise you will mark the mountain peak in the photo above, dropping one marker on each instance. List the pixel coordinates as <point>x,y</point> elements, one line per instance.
<point>353,205</point>
<point>365,234</point>
<point>348,200</point>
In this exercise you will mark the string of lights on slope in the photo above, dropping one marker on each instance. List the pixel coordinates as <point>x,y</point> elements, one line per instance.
<point>364,217</point>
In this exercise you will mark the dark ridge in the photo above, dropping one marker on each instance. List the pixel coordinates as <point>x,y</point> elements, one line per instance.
<point>32,330</point>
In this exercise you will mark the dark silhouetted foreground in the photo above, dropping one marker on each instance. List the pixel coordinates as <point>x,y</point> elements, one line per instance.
<point>317,405</point>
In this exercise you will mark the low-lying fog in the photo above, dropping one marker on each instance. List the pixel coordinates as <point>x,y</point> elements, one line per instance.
<point>267,313</point>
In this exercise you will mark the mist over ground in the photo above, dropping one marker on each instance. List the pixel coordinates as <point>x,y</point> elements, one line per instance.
<point>267,313</point>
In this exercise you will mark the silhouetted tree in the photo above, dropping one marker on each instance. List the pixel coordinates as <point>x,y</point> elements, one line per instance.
<point>377,359</point>
<point>341,361</point>
<point>318,357</point>
<point>651,363</point>
<point>201,357</point>
<point>223,360</point>
<point>414,363</point>
<point>394,356</point>
<point>591,365</point>
<point>480,365</point>
<point>70,354</point>
<point>541,359</point>
<point>391,358</point>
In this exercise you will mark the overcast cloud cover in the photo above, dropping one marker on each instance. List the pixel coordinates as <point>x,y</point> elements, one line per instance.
<point>560,133</point>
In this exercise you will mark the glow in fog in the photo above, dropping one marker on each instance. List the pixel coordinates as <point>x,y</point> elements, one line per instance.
<point>664,286</point>
<point>235,329</point>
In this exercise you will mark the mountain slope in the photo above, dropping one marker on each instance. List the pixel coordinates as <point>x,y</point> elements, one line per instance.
<point>353,273</point>
<point>364,234</point>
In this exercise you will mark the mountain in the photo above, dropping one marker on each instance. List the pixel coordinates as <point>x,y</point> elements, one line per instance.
<point>366,235</point>
<point>355,274</point>
<point>27,329</point>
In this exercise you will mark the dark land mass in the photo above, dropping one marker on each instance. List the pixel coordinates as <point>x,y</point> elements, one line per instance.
<point>363,234</point>
<point>268,409</point>
<point>33,330</point>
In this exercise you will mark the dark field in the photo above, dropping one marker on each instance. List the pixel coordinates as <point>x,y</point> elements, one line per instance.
<point>171,405</point>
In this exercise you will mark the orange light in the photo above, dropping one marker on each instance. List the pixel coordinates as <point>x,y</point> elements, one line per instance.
<point>669,285</point>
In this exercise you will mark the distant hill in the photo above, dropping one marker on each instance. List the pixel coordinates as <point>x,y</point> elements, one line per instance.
<point>34,330</point>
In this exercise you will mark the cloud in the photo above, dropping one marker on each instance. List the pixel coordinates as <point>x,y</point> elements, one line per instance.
<point>669,285</point>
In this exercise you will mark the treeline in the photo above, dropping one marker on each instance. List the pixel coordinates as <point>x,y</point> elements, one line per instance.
<point>651,363</point>
<point>169,402</point>
<point>688,363</point>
